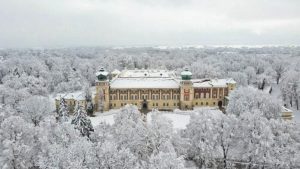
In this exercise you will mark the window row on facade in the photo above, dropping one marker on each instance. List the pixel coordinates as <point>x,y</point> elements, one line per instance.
<point>153,104</point>
<point>144,96</point>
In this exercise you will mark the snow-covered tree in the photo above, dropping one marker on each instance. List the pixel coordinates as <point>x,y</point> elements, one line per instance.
<point>63,112</point>
<point>256,139</point>
<point>201,132</point>
<point>248,99</point>
<point>131,131</point>
<point>290,89</point>
<point>82,122</point>
<point>227,136</point>
<point>63,147</point>
<point>166,161</point>
<point>109,155</point>
<point>280,68</point>
<point>35,108</point>
<point>17,143</point>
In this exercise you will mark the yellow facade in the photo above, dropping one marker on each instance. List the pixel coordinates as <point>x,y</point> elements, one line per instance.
<point>71,99</point>
<point>185,96</point>
<point>287,114</point>
<point>71,104</point>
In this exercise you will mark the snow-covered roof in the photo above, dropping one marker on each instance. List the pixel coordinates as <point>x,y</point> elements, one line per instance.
<point>144,83</point>
<point>186,72</point>
<point>284,109</point>
<point>102,72</point>
<point>211,82</point>
<point>145,78</point>
<point>79,95</point>
<point>230,80</point>
<point>151,73</point>
<point>116,71</point>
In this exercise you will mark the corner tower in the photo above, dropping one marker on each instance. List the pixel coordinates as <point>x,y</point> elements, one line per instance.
<point>186,90</point>
<point>102,91</point>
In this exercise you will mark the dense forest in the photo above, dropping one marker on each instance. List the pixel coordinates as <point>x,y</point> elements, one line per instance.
<point>251,134</point>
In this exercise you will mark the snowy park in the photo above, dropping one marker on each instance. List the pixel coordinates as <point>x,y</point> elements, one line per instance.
<point>48,108</point>
<point>150,84</point>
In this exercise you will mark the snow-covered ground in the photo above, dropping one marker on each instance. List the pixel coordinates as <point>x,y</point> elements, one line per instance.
<point>296,115</point>
<point>107,117</point>
<point>179,118</point>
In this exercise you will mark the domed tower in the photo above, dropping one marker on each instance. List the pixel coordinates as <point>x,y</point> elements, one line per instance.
<point>186,90</point>
<point>102,91</point>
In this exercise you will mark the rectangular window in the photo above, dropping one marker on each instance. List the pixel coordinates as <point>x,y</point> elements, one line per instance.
<point>186,98</point>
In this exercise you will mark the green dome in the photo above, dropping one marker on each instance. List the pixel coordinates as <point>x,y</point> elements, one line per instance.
<point>186,74</point>
<point>102,74</point>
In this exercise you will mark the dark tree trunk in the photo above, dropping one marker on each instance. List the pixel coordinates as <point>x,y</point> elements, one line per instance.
<point>263,84</point>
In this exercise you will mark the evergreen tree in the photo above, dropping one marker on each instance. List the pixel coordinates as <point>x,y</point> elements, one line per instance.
<point>81,122</point>
<point>63,113</point>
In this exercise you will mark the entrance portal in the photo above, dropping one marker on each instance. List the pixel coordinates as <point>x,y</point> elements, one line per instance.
<point>220,104</point>
<point>144,108</point>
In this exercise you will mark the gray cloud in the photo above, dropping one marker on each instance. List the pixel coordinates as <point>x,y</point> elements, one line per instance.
<point>65,23</point>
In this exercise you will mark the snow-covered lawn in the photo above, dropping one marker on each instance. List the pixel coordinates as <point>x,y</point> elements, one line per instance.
<point>179,118</point>
<point>107,117</point>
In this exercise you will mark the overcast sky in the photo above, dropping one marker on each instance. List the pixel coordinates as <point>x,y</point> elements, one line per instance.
<point>72,23</point>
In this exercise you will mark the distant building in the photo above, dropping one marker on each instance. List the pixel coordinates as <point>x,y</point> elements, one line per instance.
<point>287,114</point>
<point>159,89</point>
<point>71,100</point>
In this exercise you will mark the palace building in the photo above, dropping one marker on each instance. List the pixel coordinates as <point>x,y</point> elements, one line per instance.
<point>153,89</point>
<point>158,89</point>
